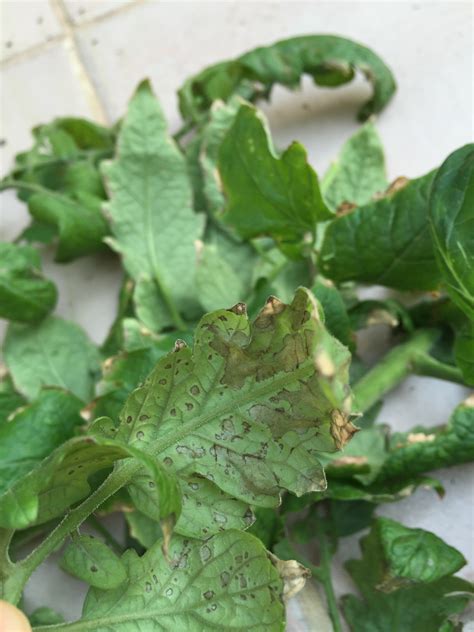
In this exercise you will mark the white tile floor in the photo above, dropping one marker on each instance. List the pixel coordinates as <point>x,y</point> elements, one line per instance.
<point>53,52</point>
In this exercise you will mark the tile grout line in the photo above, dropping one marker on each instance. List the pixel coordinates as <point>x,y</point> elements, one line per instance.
<point>38,48</point>
<point>78,66</point>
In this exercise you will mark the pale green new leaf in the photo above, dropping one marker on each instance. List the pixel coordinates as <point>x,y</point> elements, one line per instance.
<point>153,223</point>
<point>250,406</point>
<point>225,583</point>
<point>452,224</point>
<point>358,172</point>
<point>266,194</point>
<point>55,352</point>
<point>26,295</point>
<point>93,562</point>
<point>330,60</point>
<point>386,242</point>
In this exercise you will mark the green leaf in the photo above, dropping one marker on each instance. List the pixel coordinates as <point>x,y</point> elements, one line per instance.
<point>328,59</point>
<point>142,528</point>
<point>253,403</point>
<point>362,459</point>
<point>123,373</point>
<point>386,242</point>
<point>452,226</point>
<point>45,616</point>
<point>93,562</point>
<point>336,317</point>
<point>267,194</point>
<point>268,526</point>
<point>65,477</point>
<point>202,155</point>
<point>56,483</point>
<point>388,312</point>
<point>227,582</point>
<point>405,578</point>
<point>25,295</point>
<point>225,271</point>
<point>464,351</point>
<point>54,353</point>
<point>80,225</point>
<point>34,431</point>
<point>359,171</point>
<point>152,220</point>
<point>422,450</point>
<point>10,400</point>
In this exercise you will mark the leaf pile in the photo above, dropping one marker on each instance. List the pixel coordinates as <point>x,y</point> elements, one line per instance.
<point>228,413</point>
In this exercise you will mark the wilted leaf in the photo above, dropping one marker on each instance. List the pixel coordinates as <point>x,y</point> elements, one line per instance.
<point>330,60</point>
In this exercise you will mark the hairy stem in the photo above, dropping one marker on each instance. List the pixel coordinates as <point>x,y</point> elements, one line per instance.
<point>394,367</point>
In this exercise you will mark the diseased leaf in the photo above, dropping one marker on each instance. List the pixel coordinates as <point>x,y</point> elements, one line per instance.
<point>227,582</point>
<point>34,431</point>
<point>152,220</point>
<point>267,194</point>
<point>206,510</point>
<point>359,171</point>
<point>120,375</point>
<point>330,60</point>
<point>406,580</point>
<point>55,352</point>
<point>275,274</point>
<point>452,225</point>
<point>250,406</point>
<point>25,295</point>
<point>93,562</point>
<point>386,242</point>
